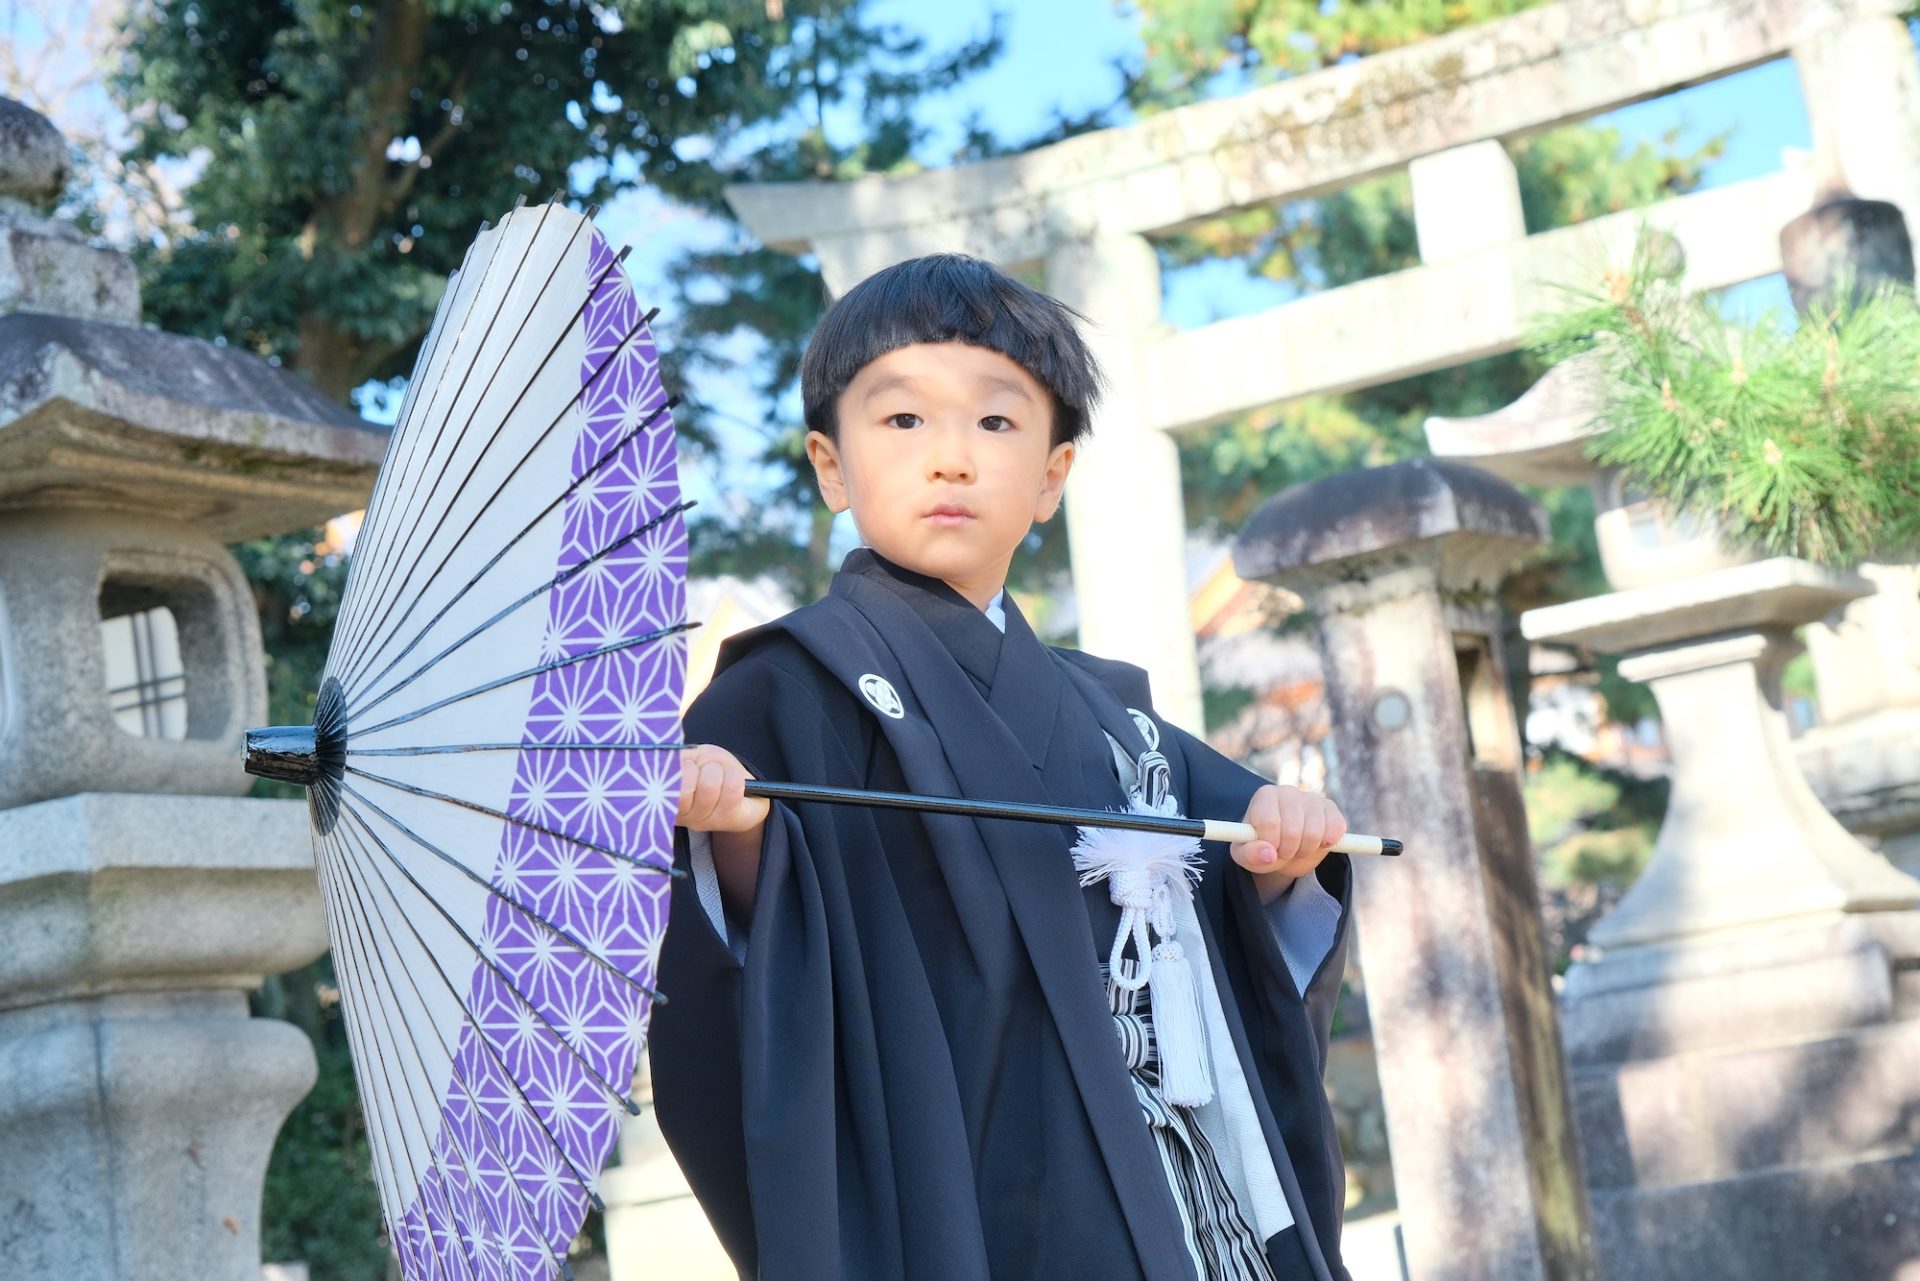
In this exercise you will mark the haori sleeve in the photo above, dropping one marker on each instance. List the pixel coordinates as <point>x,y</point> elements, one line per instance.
<point>742,1049</point>
<point>765,709</point>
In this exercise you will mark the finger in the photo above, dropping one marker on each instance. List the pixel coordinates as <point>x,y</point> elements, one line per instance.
<point>733,792</point>
<point>1255,856</point>
<point>1336,826</point>
<point>708,782</point>
<point>1264,814</point>
<point>689,780</point>
<point>1291,819</point>
<point>1313,826</point>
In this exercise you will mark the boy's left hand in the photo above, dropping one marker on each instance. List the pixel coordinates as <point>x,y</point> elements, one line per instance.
<point>1294,830</point>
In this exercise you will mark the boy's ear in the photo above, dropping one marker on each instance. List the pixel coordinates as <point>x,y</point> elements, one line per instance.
<point>825,457</point>
<point>1059,463</point>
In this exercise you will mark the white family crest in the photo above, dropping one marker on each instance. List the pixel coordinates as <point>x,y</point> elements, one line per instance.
<point>1148,730</point>
<point>880,692</point>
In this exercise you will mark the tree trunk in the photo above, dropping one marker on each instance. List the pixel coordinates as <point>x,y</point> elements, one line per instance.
<point>334,360</point>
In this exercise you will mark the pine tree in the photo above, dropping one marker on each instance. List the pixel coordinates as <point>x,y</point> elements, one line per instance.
<point>1795,440</point>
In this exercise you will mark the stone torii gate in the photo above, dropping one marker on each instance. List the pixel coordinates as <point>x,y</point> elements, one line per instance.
<point>1084,210</point>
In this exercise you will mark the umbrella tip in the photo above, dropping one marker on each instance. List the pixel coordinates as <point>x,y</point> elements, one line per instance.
<point>633,1109</point>
<point>285,752</point>
<point>598,1204</point>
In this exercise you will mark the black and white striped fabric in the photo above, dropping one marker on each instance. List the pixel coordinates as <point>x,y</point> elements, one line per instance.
<point>1224,1247</point>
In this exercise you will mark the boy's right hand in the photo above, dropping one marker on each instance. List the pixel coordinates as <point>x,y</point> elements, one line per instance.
<point>713,792</point>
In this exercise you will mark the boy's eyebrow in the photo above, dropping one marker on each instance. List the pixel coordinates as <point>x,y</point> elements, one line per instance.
<point>899,382</point>
<point>892,382</point>
<point>1004,384</point>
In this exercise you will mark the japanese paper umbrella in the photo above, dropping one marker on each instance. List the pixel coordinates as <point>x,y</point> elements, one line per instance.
<point>492,765</point>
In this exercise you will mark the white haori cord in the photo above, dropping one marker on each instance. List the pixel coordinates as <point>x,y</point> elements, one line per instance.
<point>1150,878</point>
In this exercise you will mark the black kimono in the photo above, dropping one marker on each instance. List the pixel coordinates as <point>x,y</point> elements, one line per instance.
<point>913,1070</point>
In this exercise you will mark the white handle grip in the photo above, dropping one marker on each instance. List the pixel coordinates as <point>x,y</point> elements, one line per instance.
<point>1351,843</point>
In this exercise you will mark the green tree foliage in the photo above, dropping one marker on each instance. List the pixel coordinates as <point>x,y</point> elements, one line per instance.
<point>1795,440</point>
<point>1192,44</point>
<point>297,582</point>
<point>348,150</point>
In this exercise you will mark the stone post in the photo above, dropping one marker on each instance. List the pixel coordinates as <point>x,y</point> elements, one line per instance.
<point>1735,1042</point>
<point>1399,565</point>
<point>141,896</point>
<point>1124,510</point>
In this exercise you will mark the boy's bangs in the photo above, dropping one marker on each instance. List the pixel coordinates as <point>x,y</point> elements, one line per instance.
<point>950,298</point>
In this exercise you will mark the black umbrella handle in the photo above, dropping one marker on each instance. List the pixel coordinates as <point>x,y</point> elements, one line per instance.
<point>1206,829</point>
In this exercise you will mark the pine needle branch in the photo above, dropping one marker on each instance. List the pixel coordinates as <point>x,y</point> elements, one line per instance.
<point>1793,441</point>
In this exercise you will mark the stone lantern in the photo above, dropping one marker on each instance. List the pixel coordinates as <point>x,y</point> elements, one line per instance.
<point>1734,1036</point>
<point>141,893</point>
<point>1400,566</point>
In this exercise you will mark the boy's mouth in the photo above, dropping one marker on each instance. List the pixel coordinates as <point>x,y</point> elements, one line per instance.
<point>950,514</point>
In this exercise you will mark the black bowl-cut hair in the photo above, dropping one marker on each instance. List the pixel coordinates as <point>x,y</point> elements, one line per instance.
<point>950,298</point>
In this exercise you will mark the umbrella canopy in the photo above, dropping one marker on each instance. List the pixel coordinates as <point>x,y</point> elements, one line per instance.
<point>492,781</point>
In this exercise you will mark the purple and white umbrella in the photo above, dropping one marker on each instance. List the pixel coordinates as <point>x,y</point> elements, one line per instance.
<point>492,766</point>
<point>490,778</point>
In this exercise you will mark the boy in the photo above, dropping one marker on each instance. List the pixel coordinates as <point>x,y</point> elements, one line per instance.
<point>890,1049</point>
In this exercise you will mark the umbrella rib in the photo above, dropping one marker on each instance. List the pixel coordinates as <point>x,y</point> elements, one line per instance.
<point>373,1053</point>
<point>428,794</point>
<point>586,1185</point>
<point>487,1132</point>
<point>378,503</point>
<point>389,541</point>
<point>424,361</point>
<point>526,674</point>
<point>377,520</point>
<point>480,952</point>
<point>559,930</point>
<point>378,631</point>
<point>560,579</point>
<point>353,942</point>
<point>358,670</point>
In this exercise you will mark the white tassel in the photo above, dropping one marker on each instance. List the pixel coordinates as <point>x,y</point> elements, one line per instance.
<point>1179,1034</point>
<point>1144,871</point>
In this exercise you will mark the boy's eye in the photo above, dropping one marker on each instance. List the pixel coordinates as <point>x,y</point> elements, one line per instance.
<point>903,421</point>
<point>994,422</point>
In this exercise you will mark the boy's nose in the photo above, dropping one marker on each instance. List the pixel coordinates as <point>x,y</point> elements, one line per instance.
<point>949,458</point>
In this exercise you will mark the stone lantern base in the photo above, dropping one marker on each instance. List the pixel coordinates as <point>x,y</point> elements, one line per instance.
<point>1742,1046</point>
<point>138,1100</point>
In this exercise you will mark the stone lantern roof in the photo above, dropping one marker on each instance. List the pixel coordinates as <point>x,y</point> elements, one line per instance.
<point>97,411</point>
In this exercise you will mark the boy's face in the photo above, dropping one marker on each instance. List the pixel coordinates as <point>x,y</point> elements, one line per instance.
<point>946,458</point>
